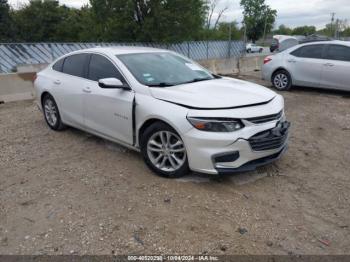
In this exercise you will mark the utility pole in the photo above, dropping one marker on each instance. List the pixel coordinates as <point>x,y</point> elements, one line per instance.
<point>265,27</point>
<point>229,39</point>
<point>336,29</point>
<point>332,21</point>
<point>245,31</point>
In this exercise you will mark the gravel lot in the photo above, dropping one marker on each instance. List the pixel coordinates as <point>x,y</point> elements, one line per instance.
<point>73,193</point>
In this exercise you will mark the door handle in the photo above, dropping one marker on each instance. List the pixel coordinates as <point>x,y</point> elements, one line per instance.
<point>87,90</point>
<point>292,61</point>
<point>57,82</point>
<point>329,64</point>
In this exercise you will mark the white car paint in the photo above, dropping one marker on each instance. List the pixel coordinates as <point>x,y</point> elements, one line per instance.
<point>119,115</point>
<point>311,72</point>
<point>253,48</point>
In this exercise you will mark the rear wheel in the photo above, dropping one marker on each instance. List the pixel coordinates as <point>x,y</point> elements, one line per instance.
<point>51,113</point>
<point>281,80</point>
<point>164,151</point>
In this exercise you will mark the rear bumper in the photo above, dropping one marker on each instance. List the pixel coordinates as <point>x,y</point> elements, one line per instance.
<point>266,73</point>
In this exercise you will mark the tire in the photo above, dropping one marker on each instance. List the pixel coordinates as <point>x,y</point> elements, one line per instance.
<point>158,155</point>
<point>249,51</point>
<point>261,50</point>
<point>52,114</point>
<point>282,80</point>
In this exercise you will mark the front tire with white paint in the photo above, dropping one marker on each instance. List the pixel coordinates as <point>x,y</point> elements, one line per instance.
<point>164,151</point>
<point>282,80</point>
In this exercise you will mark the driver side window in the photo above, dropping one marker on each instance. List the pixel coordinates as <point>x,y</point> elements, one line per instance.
<point>100,68</point>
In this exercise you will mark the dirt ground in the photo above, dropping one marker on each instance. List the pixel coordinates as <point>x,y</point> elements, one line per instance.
<point>73,193</point>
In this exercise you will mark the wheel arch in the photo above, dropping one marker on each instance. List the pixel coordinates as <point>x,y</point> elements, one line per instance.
<point>45,93</point>
<point>147,123</point>
<point>281,68</point>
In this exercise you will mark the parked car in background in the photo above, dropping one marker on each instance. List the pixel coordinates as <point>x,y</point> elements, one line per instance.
<point>253,48</point>
<point>274,45</point>
<point>283,42</point>
<point>323,64</point>
<point>179,115</point>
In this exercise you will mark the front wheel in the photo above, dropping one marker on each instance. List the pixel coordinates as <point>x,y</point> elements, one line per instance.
<point>164,151</point>
<point>281,80</point>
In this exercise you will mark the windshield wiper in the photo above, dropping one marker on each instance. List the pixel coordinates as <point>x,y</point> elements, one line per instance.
<point>163,84</point>
<point>199,80</point>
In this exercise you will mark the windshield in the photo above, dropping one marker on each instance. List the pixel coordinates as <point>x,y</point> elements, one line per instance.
<point>163,69</point>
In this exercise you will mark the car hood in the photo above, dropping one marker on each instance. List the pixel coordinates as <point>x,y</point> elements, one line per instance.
<point>215,94</point>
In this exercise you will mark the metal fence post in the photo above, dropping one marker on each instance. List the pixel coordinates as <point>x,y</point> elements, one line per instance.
<point>207,49</point>
<point>188,50</point>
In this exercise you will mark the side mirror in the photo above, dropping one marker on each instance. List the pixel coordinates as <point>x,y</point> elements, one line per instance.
<point>112,83</point>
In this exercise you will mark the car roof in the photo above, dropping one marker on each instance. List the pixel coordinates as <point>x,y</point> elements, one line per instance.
<point>120,50</point>
<point>346,43</point>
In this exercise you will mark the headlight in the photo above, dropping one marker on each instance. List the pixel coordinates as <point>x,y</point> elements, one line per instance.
<point>215,124</point>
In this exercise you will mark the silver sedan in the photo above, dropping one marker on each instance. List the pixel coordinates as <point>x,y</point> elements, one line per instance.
<point>318,64</point>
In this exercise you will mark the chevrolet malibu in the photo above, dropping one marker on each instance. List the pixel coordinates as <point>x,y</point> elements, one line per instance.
<point>177,114</point>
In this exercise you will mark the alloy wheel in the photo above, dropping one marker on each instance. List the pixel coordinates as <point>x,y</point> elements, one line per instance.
<point>166,151</point>
<point>50,112</point>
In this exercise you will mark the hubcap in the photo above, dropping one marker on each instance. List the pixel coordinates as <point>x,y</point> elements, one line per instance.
<point>166,151</point>
<point>50,112</point>
<point>281,81</point>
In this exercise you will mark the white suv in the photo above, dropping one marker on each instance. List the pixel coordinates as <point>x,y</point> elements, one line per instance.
<point>180,116</point>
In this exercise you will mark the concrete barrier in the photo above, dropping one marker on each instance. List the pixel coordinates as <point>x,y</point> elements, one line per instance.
<point>233,65</point>
<point>15,87</point>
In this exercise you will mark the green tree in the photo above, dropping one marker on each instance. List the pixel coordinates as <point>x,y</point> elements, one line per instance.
<point>222,32</point>
<point>283,30</point>
<point>153,20</point>
<point>6,28</point>
<point>346,32</point>
<point>76,25</point>
<point>38,21</point>
<point>304,30</point>
<point>258,18</point>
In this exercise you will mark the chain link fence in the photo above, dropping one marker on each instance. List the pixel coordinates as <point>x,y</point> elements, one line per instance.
<point>15,54</point>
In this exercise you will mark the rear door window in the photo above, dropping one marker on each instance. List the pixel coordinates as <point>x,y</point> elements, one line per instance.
<point>100,68</point>
<point>75,65</point>
<point>338,52</point>
<point>309,51</point>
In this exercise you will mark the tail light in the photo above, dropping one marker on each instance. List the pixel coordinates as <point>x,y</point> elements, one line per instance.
<point>267,59</point>
<point>35,76</point>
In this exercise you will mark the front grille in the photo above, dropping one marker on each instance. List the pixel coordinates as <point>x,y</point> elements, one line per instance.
<point>265,119</point>
<point>267,140</point>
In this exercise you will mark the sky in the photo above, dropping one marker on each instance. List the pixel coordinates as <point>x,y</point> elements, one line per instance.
<point>291,13</point>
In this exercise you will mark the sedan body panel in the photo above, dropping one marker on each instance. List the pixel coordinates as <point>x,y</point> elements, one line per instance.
<point>336,74</point>
<point>122,113</point>
<point>313,69</point>
<point>217,93</point>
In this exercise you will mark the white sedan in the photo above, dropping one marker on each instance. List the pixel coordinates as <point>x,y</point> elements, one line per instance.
<point>180,116</point>
<point>253,48</point>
